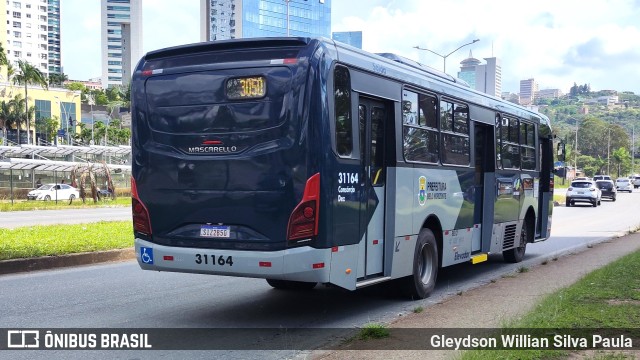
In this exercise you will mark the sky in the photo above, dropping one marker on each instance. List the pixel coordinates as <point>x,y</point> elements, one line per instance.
<point>556,42</point>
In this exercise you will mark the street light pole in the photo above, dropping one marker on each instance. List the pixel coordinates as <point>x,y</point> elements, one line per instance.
<point>444,57</point>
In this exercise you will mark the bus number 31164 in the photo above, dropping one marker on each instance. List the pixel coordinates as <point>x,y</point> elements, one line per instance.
<point>204,259</point>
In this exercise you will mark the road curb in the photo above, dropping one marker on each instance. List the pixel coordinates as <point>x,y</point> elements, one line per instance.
<point>52,262</point>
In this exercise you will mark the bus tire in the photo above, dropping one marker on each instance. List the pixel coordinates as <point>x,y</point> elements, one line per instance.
<point>290,285</point>
<point>425,267</point>
<point>516,254</point>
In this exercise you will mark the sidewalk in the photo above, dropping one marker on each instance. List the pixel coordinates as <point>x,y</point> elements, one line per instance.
<point>491,305</point>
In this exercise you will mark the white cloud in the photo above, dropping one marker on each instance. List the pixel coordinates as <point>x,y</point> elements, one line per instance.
<point>551,41</point>
<point>557,42</point>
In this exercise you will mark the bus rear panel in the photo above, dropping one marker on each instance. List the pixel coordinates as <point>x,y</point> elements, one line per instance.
<point>222,160</point>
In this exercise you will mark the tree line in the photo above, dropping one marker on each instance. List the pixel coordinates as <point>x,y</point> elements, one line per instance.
<point>17,113</point>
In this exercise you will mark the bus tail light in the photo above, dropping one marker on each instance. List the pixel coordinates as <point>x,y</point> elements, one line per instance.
<point>141,221</point>
<point>303,222</point>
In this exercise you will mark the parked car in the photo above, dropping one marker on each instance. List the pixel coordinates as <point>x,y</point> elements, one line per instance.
<point>624,184</point>
<point>608,189</point>
<point>105,193</point>
<point>636,181</point>
<point>582,178</point>
<point>583,191</point>
<point>48,192</point>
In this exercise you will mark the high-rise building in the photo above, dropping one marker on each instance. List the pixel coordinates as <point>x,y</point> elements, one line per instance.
<point>482,77</point>
<point>353,38</point>
<point>121,40</point>
<point>528,89</point>
<point>489,77</point>
<point>26,34</point>
<point>230,19</point>
<point>55,59</point>
<point>468,70</point>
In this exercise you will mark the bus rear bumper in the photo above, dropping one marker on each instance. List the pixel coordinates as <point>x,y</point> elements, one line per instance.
<point>298,264</point>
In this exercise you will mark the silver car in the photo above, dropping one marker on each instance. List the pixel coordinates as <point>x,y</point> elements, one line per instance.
<point>624,184</point>
<point>583,191</point>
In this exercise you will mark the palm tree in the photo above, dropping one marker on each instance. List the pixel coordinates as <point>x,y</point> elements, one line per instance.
<point>5,116</point>
<point>3,56</point>
<point>57,79</point>
<point>29,74</point>
<point>17,114</point>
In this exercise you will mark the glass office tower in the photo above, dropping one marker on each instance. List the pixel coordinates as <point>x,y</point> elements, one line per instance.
<point>228,19</point>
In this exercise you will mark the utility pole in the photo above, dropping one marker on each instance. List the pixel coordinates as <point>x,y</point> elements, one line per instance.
<point>633,150</point>
<point>609,151</point>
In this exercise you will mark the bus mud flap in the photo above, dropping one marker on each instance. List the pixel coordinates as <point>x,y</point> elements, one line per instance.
<point>344,266</point>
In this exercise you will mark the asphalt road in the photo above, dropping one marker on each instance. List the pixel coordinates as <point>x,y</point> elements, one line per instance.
<point>13,219</point>
<point>121,295</point>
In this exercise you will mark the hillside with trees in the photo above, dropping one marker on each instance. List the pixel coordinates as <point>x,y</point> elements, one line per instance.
<point>603,132</point>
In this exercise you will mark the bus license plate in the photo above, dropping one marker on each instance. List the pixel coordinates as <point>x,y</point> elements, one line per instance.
<point>215,231</point>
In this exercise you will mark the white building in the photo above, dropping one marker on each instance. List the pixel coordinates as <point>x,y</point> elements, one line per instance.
<point>27,34</point>
<point>549,94</point>
<point>121,40</point>
<point>528,90</point>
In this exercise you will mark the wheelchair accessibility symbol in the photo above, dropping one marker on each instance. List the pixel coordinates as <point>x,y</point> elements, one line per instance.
<point>146,255</point>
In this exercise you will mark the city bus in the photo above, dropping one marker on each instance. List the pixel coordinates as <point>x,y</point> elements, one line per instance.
<point>305,161</point>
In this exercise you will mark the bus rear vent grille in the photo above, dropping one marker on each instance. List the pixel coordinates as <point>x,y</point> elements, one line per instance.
<point>509,236</point>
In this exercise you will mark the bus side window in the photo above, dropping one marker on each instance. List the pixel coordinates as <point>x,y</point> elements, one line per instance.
<point>420,127</point>
<point>342,95</point>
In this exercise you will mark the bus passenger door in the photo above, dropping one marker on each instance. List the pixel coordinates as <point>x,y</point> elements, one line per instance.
<point>545,193</point>
<point>484,185</point>
<point>371,118</point>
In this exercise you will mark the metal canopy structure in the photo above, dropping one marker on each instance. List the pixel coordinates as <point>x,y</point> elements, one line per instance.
<point>62,150</point>
<point>48,165</point>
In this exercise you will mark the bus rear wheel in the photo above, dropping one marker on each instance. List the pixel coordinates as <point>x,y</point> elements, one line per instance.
<point>516,254</point>
<point>425,267</point>
<point>290,285</point>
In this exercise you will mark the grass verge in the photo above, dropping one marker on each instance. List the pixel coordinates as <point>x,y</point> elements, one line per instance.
<point>606,298</point>
<point>373,331</point>
<point>559,198</point>
<point>49,240</point>
<point>24,205</point>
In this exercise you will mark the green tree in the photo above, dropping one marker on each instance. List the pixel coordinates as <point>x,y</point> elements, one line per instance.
<point>622,160</point>
<point>591,165</point>
<point>28,74</point>
<point>48,127</point>
<point>77,86</point>
<point>84,135</point>
<point>99,130</point>
<point>57,78</point>
<point>99,96</point>
<point>6,116</point>
<point>3,56</point>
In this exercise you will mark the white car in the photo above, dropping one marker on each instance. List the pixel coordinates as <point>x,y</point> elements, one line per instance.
<point>624,184</point>
<point>583,191</point>
<point>48,192</point>
<point>636,181</point>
